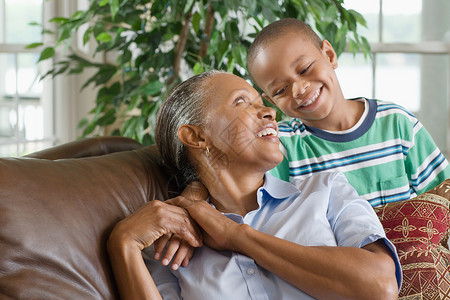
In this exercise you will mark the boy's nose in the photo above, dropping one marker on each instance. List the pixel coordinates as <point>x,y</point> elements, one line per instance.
<point>299,88</point>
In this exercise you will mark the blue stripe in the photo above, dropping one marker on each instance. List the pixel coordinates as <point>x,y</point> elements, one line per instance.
<point>388,106</point>
<point>434,164</point>
<point>345,161</point>
<point>390,199</point>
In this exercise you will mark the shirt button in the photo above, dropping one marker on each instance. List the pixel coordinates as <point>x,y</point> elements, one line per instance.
<point>250,271</point>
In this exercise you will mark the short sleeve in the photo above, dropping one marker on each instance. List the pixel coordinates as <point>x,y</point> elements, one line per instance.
<point>354,222</point>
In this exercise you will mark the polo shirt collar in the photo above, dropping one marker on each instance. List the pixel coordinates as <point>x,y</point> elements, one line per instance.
<point>278,188</point>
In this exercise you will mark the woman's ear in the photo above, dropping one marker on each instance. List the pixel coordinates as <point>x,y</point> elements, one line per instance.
<point>329,53</point>
<point>192,136</point>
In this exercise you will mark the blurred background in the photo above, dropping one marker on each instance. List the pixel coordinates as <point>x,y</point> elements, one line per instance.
<point>409,65</point>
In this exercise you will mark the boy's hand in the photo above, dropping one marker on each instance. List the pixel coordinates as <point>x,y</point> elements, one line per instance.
<point>177,247</point>
<point>195,191</point>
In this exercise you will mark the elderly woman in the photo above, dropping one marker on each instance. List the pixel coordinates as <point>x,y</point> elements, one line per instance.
<point>261,238</point>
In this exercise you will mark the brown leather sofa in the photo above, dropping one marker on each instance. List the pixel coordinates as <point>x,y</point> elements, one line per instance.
<point>58,206</point>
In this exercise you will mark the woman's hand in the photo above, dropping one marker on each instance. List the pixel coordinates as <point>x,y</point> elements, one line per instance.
<point>176,246</point>
<point>153,221</point>
<point>138,231</point>
<point>217,229</point>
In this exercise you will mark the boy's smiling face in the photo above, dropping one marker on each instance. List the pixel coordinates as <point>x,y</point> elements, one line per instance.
<point>299,78</point>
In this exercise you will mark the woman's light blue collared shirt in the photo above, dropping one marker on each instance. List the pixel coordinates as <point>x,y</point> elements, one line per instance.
<point>322,210</point>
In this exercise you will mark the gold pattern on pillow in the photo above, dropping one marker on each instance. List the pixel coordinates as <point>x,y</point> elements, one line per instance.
<point>419,229</point>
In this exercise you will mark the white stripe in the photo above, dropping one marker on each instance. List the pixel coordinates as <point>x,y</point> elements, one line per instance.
<point>283,150</point>
<point>425,163</point>
<point>293,133</point>
<point>353,151</point>
<point>393,111</point>
<point>433,175</point>
<point>386,193</point>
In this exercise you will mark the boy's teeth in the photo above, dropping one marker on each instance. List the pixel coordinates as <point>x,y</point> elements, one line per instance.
<point>267,131</point>
<point>313,99</point>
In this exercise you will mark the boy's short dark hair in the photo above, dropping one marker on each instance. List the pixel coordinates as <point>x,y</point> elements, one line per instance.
<point>272,31</point>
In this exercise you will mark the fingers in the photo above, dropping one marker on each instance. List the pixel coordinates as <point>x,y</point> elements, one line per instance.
<point>172,248</point>
<point>184,254</point>
<point>178,249</point>
<point>160,245</point>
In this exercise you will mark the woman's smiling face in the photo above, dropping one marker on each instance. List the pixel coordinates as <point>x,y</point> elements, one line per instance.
<point>239,125</point>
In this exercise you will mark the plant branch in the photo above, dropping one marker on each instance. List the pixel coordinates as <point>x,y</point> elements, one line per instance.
<point>208,31</point>
<point>179,49</point>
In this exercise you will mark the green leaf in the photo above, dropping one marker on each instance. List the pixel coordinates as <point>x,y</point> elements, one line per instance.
<point>134,102</point>
<point>47,53</point>
<point>359,18</point>
<point>33,45</point>
<point>188,6</point>
<point>104,37</point>
<point>87,35</point>
<point>108,118</point>
<point>196,22</point>
<point>114,5</point>
<point>152,88</point>
<point>198,68</point>
<point>83,122</point>
<point>59,20</point>
<point>89,129</point>
<point>103,3</point>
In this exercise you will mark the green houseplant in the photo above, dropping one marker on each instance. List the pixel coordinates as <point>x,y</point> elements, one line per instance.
<point>160,42</point>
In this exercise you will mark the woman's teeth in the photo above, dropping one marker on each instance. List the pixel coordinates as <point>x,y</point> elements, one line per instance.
<point>267,131</point>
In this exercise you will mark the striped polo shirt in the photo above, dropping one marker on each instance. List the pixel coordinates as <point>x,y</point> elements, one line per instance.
<point>387,156</point>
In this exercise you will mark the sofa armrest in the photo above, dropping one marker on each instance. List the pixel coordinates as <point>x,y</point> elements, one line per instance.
<point>56,215</point>
<point>88,147</point>
<point>419,228</point>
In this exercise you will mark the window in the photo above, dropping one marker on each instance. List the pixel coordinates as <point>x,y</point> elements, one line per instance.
<point>25,105</point>
<point>410,42</point>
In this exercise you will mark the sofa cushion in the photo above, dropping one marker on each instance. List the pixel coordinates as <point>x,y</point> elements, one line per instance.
<point>419,228</point>
<point>55,217</point>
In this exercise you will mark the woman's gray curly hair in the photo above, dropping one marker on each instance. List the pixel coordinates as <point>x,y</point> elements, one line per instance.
<point>184,105</point>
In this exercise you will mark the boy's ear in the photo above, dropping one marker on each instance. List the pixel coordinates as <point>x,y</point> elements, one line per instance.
<point>265,96</point>
<point>329,53</point>
<point>192,136</point>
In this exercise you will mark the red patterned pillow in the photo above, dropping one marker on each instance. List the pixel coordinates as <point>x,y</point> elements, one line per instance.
<point>419,228</point>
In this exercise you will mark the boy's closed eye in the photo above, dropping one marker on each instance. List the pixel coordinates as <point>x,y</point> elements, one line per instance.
<point>279,92</point>
<point>305,69</point>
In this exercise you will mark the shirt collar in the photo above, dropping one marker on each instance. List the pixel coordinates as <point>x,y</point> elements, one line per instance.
<point>278,188</point>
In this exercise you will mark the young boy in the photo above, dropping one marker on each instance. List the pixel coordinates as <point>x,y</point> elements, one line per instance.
<point>382,149</point>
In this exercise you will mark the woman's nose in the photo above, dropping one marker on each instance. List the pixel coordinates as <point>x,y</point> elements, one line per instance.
<point>265,112</point>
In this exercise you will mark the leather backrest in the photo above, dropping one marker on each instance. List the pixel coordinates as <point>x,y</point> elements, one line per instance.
<point>55,218</point>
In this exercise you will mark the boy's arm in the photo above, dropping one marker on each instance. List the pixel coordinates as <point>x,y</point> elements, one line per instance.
<point>425,164</point>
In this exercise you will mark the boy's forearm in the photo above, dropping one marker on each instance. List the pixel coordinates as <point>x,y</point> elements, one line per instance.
<point>195,191</point>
